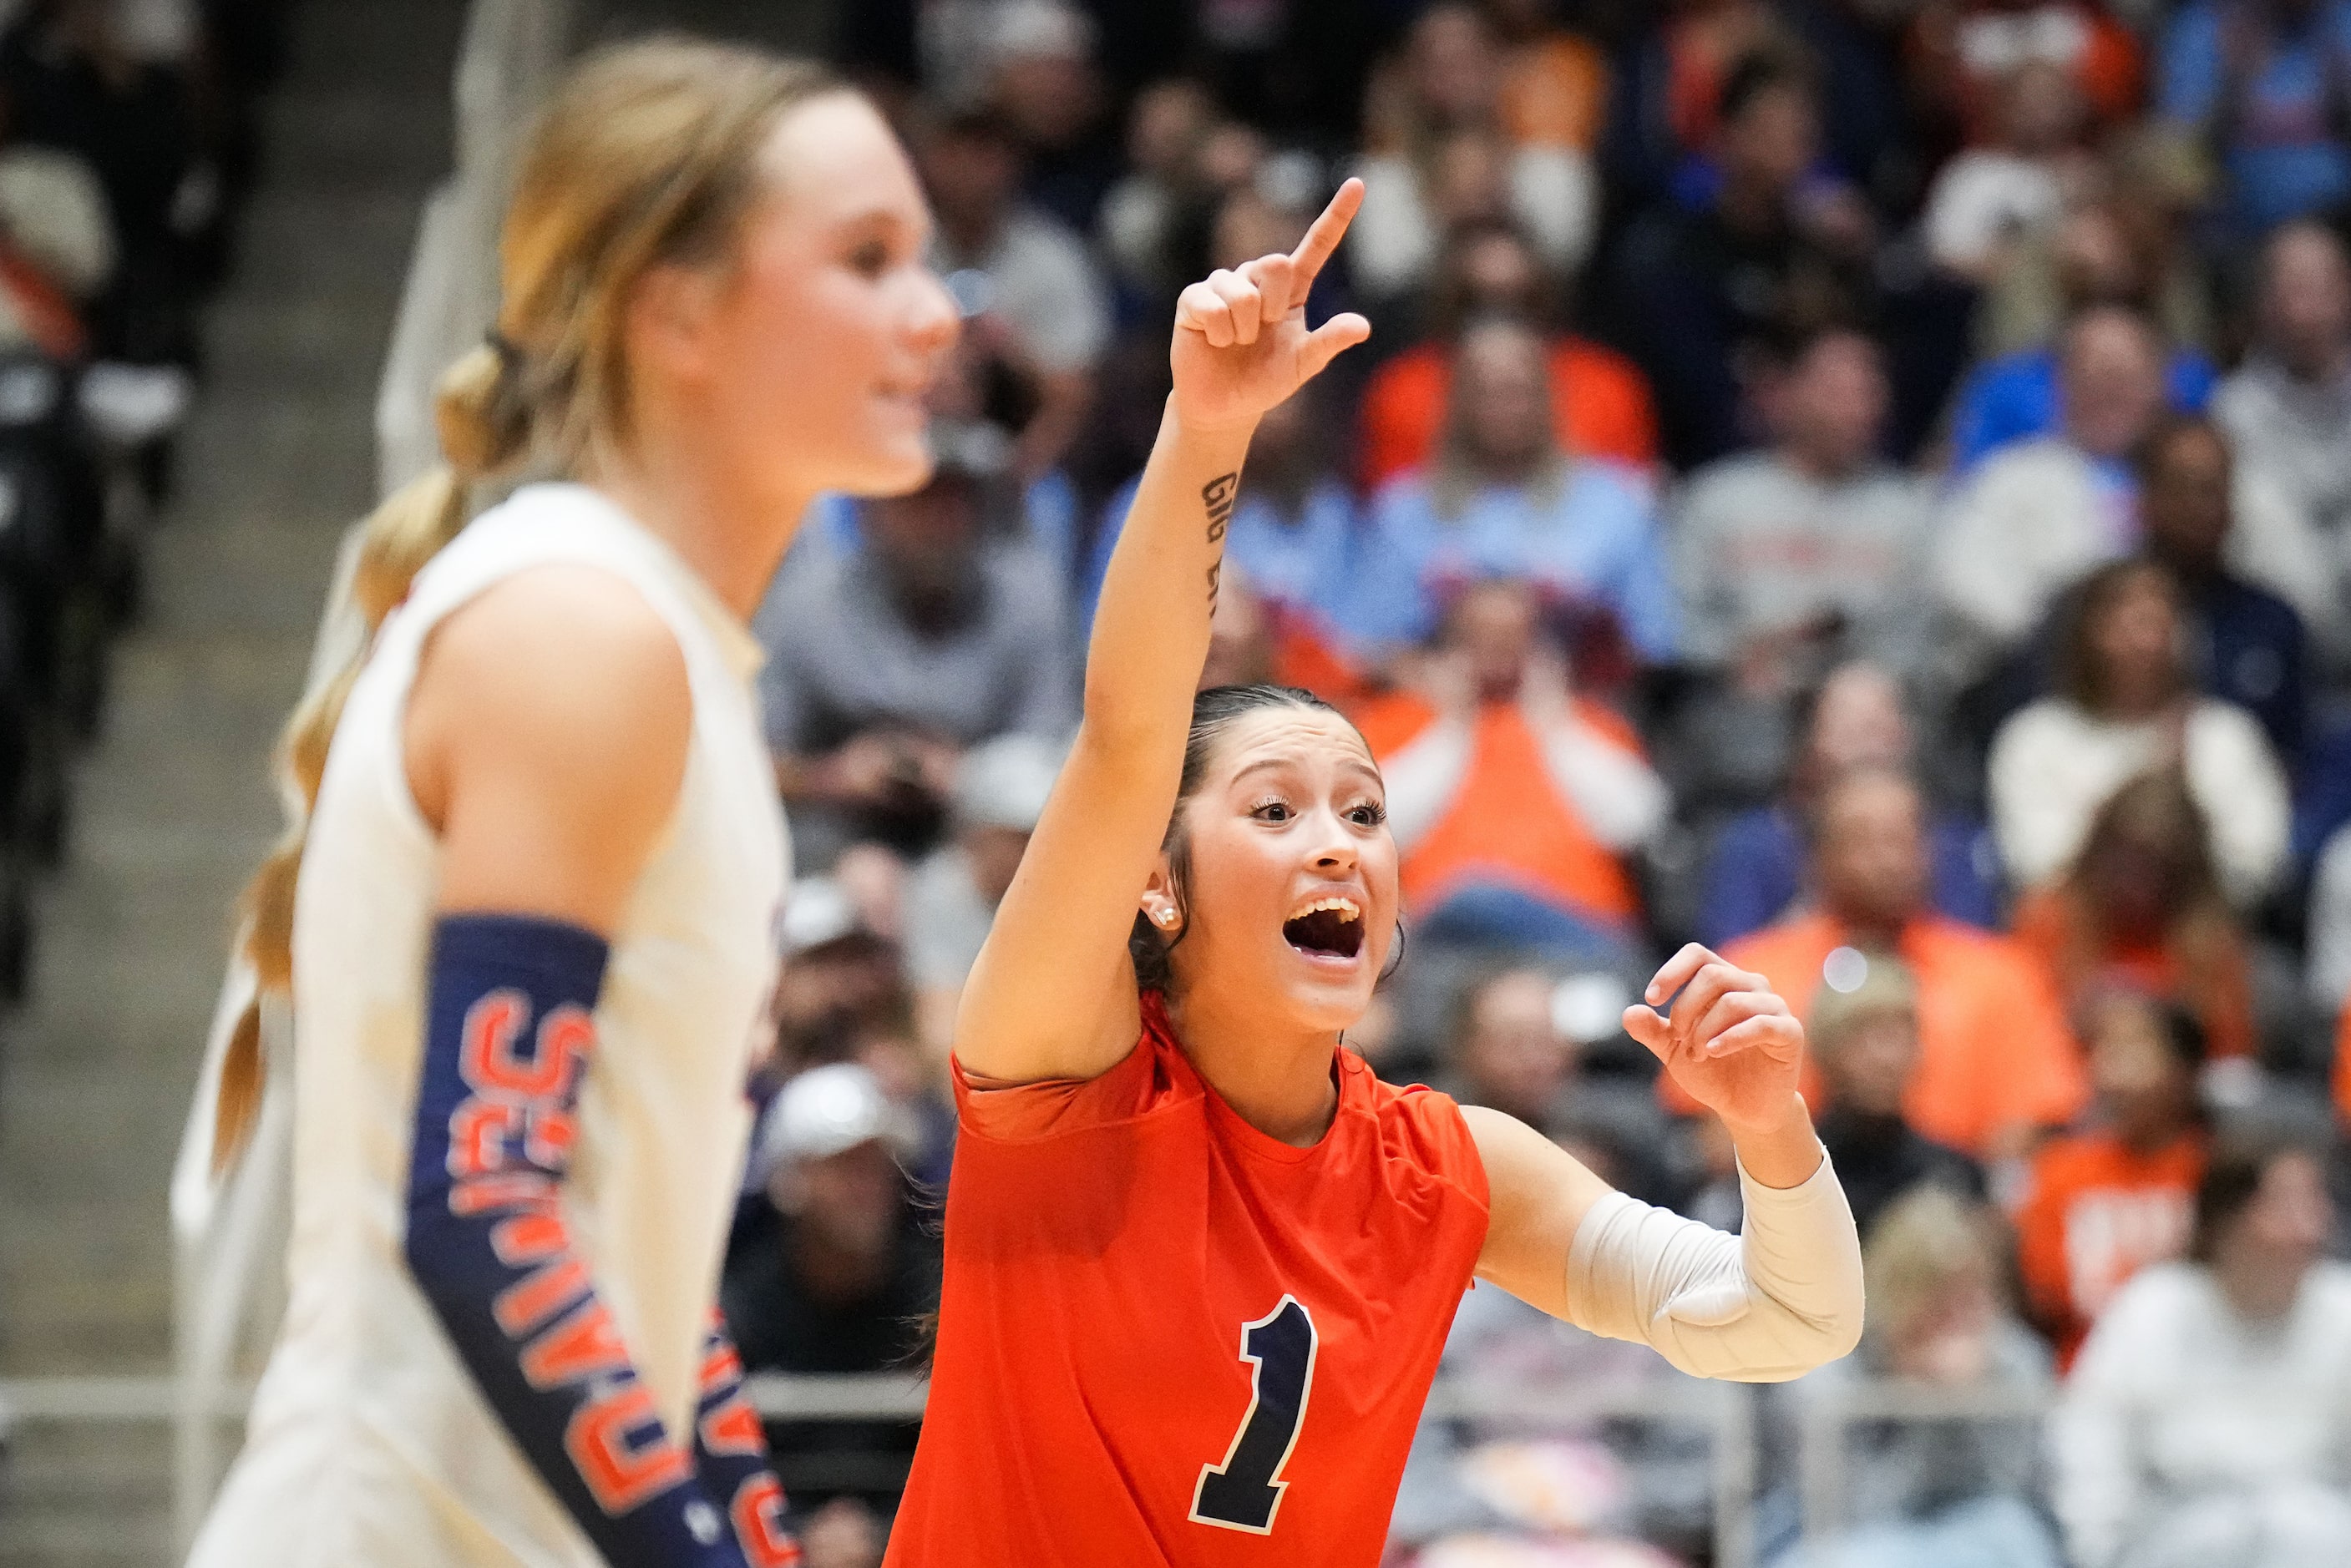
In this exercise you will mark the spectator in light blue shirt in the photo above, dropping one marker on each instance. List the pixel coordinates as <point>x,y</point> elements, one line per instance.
<point>2269,83</point>
<point>1501,500</point>
<point>1293,531</point>
<point>2096,257</point>
<point>2016,398</point>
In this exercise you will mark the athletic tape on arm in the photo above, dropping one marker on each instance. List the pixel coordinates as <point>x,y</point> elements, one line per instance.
<point>509,1031</point>
<point>1763,1306</point>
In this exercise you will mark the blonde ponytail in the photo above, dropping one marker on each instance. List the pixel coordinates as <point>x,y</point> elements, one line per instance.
<point>399,537</point>
<point>649,156</point>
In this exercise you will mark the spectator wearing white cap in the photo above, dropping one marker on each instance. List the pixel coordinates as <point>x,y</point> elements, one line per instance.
<point>999,792</point>
<point>839,982</point>
<point>830,1268</point>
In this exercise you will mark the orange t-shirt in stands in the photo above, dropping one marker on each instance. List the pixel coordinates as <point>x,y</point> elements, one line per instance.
<point>1167,1340</point>
<point>2043,924</point>
<point>1507,823</point>
<point>2096,1214</point>
<point>1994,1049</point>
<point>1554,93</point>
<point>1600,406</point>
<point>2104,61</point>
<point>2343,1065</point>
<point>1303,656</point>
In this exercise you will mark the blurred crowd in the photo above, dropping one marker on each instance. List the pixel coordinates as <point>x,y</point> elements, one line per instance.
<point>128,140</point>
<point>1864,483</point>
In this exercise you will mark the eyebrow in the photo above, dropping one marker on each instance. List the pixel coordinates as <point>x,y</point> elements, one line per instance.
<point>885,217</point>
<point>1357,763</point>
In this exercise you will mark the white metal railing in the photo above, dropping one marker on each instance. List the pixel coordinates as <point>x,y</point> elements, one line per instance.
<point>228,1234</point>
<point>1726,1412</point>
<point>1828,1411</point>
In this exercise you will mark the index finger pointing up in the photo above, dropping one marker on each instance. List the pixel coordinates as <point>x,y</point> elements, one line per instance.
<point>1678,971</point>
<point>1323,237</point>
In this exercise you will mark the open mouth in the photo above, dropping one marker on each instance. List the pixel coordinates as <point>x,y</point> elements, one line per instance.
<point>1327,928</point>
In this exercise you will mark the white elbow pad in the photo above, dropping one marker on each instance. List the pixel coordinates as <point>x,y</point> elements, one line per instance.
<point>1770,1303</point>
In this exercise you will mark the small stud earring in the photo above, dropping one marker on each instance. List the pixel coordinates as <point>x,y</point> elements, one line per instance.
<point>1165,916</point>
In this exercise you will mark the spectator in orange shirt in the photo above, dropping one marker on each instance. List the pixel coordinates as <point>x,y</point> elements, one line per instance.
<point>2142,907</point>
<point>1255,639</point>
<point>1554,82</point>
<point>2203,1422</point>
<point>1995,1060</point>
<point>1699,47</point>
<point>1599,399</point>
<point>2343,1068</point>
<point>1963,50</point>
<point>1511,799</point>
<point>2105,1203</point>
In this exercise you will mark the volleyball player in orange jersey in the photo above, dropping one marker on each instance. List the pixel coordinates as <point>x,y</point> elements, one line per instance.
<point>1200,1263</point>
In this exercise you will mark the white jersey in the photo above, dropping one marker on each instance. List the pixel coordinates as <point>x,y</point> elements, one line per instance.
<point>369,1443</point>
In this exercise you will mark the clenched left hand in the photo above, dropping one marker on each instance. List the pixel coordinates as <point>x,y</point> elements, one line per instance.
<point>1731,1040</point>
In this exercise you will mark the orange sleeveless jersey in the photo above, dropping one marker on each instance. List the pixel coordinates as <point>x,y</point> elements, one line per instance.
<point>1167,1339</point>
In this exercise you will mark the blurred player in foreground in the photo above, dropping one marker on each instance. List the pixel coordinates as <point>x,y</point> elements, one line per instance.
<point>1200,1261</point>
<point>531,940</point>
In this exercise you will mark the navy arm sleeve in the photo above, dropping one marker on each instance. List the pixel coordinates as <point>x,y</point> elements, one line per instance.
<point>509,1031</point>
<point>731,1449</point>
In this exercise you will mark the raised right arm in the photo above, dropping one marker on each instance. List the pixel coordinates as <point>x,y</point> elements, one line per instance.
<point>1053,994</point>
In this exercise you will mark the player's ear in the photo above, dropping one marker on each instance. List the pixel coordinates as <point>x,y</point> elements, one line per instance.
<point>1163,900</point>
<point>671,319</point>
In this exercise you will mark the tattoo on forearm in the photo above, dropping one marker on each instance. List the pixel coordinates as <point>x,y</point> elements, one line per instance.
<point>1218,495</point>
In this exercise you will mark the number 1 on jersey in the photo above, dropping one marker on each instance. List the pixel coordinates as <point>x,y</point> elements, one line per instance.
<point>1242,1492</point>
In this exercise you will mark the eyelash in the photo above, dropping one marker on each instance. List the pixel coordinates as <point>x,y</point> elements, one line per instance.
<point>1372,812</point>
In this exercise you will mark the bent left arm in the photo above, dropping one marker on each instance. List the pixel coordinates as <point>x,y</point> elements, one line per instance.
<point>1767,1304</point>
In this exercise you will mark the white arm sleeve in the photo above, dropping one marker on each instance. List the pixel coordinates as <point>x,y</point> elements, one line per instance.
<point>1764,1306</point>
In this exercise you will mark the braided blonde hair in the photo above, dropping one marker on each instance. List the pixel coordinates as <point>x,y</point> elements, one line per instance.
<point>648,156</point>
